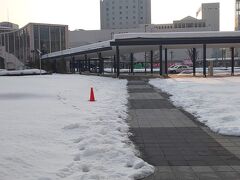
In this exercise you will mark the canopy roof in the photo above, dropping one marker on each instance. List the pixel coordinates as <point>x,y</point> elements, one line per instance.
<point>141,42</point>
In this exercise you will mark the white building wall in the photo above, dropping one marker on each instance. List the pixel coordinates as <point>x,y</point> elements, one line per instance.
<point>83,37</point>
<point>211,14</point>
<point>124,14</point>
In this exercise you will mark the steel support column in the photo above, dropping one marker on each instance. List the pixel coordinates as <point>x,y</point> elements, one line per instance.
<point>73,64</point>
<point>160,60</point>
<point>79,67</point>
<point>232,60</point>
<point>89,64</point>
<point>151,54</point>
<point>86,62</point>
<point>118,60</point>
<point>204,60</point>
<point>55,66</point>
<point>100,63</point>
<point>166,61</point>
<point>114,64</point>
<point>131,64</point>
<point>194,61</point>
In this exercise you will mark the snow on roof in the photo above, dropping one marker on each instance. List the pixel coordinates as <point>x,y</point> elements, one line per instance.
<point>178,34</point>
<point>81,49</point>
<point>189,18</point>
<point>106,45</point>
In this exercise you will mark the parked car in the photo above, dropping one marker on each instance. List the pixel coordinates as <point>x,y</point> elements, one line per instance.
<point>178,68</point>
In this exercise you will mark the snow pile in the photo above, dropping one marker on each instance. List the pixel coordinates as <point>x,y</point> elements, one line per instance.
<point>216,71</point>
<point>21,72</point>
<point>214,101</point>
<point>49,130</point>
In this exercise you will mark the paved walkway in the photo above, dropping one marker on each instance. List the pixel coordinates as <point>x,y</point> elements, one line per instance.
<point>172,141</point>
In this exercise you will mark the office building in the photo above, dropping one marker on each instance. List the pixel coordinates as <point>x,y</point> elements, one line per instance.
<point>237,15</point>
<point>124,14</point>
<point>208,19</point>
<point>19,48</point>
<point>8,26</point>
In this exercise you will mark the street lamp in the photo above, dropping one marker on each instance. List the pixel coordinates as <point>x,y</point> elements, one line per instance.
<point>40,60</point>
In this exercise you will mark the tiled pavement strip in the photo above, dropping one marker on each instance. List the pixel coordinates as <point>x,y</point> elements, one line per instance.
<point>172,141</point>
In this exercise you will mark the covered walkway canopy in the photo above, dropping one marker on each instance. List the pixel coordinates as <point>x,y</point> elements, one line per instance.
<point>129,43</point>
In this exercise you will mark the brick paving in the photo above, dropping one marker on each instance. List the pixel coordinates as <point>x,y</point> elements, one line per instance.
<point>172,141</point>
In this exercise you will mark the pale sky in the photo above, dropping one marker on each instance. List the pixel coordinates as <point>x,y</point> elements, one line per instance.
<point>85,14</point>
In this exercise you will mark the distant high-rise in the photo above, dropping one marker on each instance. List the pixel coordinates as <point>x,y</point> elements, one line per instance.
<point>210,13</point>
<point>237,15</point>
<point>124,14</point>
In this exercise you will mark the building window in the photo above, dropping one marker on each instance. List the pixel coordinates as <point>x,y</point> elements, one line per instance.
<point>55,39</point>
<point>44,39</point>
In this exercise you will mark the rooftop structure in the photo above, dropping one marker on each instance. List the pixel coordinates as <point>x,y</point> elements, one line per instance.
<point>8,26</point>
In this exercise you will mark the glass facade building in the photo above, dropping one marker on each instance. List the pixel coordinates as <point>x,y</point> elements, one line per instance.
<point>25,43</point>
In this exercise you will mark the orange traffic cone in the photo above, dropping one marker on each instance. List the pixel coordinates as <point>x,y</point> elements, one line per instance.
<point>92,98</point>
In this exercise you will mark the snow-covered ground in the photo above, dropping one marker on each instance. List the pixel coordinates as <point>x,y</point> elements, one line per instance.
<point>216,71</point>
<point>199,71</point>
<point>4,72</point>
<point>49,130</point>
<point>214,101</point>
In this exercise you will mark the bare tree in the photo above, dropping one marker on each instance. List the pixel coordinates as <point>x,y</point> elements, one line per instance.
<point>189,52</point>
